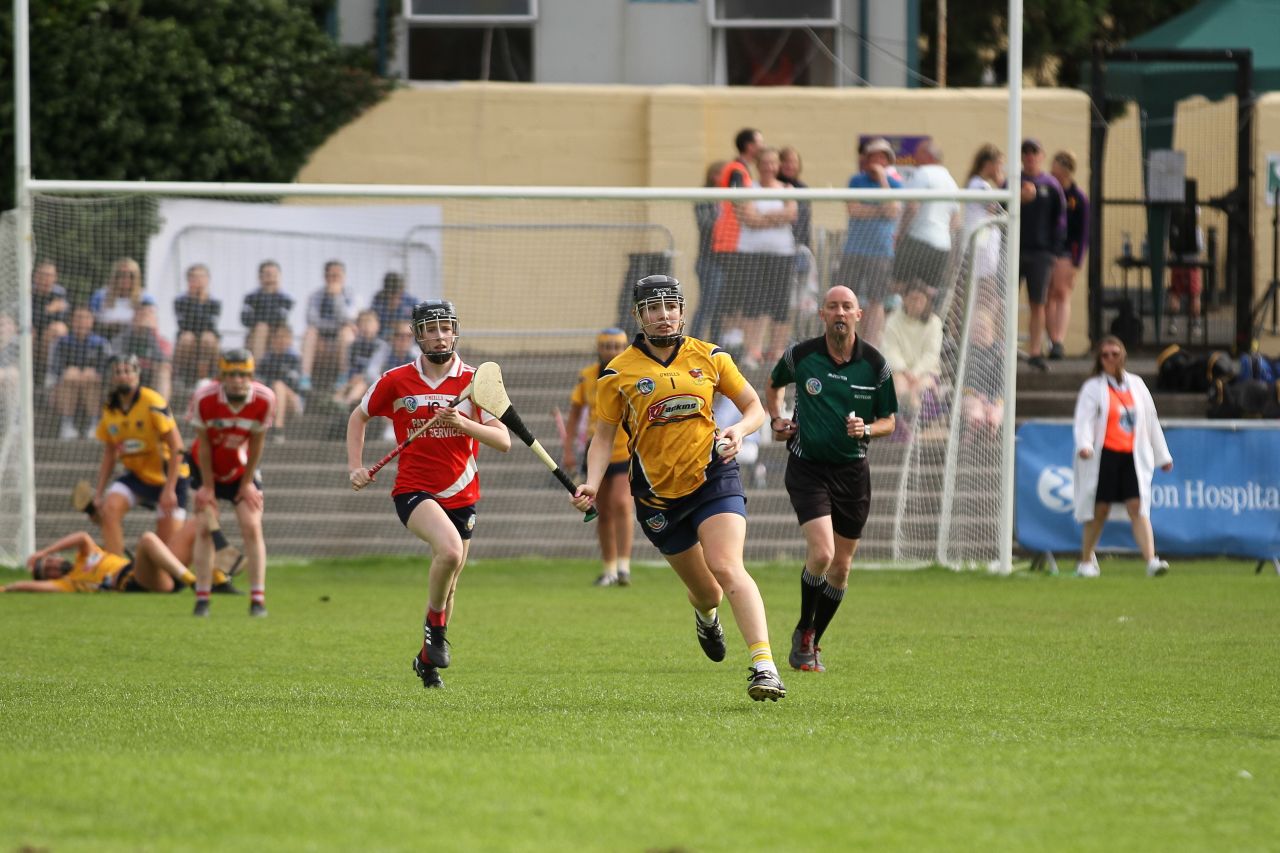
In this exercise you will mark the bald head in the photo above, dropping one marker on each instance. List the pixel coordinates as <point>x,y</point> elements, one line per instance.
<point>840,313</point>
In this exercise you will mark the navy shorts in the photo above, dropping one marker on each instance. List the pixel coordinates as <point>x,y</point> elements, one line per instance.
<point>463,517</point>
<point>840,491</point>
<point>1117,478</point>
<point>148,496</point>
<point>1036,267</point>
<point>674,529</point>
<point>229,492</point>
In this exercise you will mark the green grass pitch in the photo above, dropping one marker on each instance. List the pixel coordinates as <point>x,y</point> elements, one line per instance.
<point>959,711</point>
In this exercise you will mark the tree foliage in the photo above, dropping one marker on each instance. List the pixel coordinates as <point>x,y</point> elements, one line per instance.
<point>1058,35</point>
<point>193,90</point>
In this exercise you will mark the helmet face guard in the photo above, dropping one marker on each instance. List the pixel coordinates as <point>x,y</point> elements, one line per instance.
<point>430,313</point>
<point>236,363</point>
<point>658,290</point>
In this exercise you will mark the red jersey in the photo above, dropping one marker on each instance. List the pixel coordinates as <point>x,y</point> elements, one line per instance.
<point>441,461</point>
<point>229,427</point>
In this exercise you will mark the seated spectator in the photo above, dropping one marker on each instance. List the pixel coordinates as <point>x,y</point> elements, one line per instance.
<point>913,350</point>
<point>113,305</point>
<point>142,339</point>
<point>393,306</point>
<point>196,351</point>
<point>984,389</point>
<point>76,368</point>
<point>365,359</point>
<point>281,371</point>
<point>153,568</point>
<point>265,309</point>
<point>8,367</point>
<point>330,325</point>
<point>404,349</point>
<point>49,310</point>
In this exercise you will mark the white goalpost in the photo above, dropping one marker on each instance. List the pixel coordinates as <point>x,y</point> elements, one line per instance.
<point>535,272</point>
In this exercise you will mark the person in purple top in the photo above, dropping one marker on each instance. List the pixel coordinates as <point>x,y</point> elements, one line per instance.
<point>1044,232</point>
<point>1057,311</point>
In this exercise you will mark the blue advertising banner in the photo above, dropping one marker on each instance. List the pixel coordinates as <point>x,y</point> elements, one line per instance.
<point>1222,496</point>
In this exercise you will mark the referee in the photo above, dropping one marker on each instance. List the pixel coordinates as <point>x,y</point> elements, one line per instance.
<point>844,398</point>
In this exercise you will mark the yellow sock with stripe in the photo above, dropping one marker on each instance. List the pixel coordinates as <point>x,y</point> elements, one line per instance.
<point>762,656</point>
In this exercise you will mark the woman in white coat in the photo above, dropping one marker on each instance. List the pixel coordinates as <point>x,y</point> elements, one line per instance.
<point>1119,443</point>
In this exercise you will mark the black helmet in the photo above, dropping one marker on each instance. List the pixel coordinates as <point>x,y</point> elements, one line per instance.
<point>123,358</point>
<point>660,289</point>
<point>434,311</point>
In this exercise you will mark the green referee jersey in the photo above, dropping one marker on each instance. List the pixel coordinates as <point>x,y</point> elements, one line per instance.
<point>827,393</point>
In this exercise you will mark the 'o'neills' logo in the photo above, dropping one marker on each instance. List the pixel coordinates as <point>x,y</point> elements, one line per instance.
<point>677,408</point>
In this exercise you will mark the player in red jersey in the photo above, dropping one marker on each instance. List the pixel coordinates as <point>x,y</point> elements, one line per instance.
<point>231,418</point>
<point>436,486</point>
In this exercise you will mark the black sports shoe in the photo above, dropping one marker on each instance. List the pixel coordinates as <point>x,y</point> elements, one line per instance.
<point>1057,352</point>
<point>1038,362</point>
<point>763,684</point>
<point>202,607</point>
<point>257,609</point>
<point>429,674</point>
<point>711,638</point>
<point>225,588</point>
<point>436,645</point>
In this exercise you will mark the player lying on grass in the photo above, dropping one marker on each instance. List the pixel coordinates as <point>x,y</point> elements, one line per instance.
<point>152,569</point>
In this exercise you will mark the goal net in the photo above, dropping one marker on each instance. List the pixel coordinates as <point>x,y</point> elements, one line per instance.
<point>534,278</point>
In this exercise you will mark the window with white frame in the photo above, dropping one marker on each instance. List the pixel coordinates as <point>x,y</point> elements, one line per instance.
<point>774,43</point>
<point>470,39</point>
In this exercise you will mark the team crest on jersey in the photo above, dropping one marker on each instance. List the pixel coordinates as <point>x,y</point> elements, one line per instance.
<point>411,404</point>
<point>698,378</point>
<point>113,429</point>
<point>656,523</point>
<point>678,408</point>
<point>645,386</point>
<point>813,386</point>
<point>471,521</point>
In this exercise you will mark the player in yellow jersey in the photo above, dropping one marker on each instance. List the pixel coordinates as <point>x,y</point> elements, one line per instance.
<point>138,430</point>
<point>614,528</point>
<point>688,494</point>
<point>152,569</point>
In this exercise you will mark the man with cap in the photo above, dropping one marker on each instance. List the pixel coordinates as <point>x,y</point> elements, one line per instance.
<point>1043,235</point>
<point>866,265</point>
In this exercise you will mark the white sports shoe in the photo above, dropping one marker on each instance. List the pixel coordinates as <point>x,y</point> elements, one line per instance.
<point>1157,567</point>
<point>1088,569</point>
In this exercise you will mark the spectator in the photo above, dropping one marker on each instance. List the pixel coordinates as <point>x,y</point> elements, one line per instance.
<point>8,367</point>
<point>75,372</point>
<point>113,305</point>
<point>281,371</point>
<point>49,310</point>
<point>913,350</point>
<point>266,308</point>
<point>365,359</point>
<point>725,231</point>
<point>330,325</point>
<point>767,245</point>
<point>1057,311</point>
<point>924,249</point>
<point>198,342</point>
<point>154,353</point>
<point>789,167</point>
<point>867,258</point>
<point>1186,242</point>
<point>394,307</point>
<point>1043,234</point>
<point>987,173</point>
<point>404,349</point>
<point>710,275</point>
<point>984,392</point>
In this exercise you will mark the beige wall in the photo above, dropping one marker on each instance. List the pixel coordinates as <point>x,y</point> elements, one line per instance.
<point>496,134</point>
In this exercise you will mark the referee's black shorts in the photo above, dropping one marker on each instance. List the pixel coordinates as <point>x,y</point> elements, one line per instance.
<point>842,491</point>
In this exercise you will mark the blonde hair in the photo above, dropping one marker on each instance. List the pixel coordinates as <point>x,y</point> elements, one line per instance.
<point>129,265</point>
<point>1066,160</point>
<point>986,154</point>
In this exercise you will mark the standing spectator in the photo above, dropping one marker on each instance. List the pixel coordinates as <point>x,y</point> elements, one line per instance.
<point>924,248</point>
<point>137,430</point>
<point>1057,311</point>
<point>724,234</point>
<point>365,359</point>
<point>767,246</point>
<point>437,483</point>
<point>614,528</point>
<point>1186,242</point>
<point>154,354</point>
<point>113,304</point>
<point>281,371</point>
<point>76,368</point>
<point>1119,443</point>
<point>265,309</point>
<point>828,478</point>
<point>789,168</point>
<point>196,353</point>
<point>913,351</point>
<point>867,259</point>
<point>330,324</point>
<point>49,311</point>
<point>710,275</point>
<point>987,173</point>
<point>231,418</point>
<point>1044,233</point>
<point>394,307</point>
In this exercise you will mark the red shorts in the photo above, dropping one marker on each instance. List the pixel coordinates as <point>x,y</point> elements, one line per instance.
<point>1184,281</point>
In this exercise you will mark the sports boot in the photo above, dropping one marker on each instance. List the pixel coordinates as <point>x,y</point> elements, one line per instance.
<point>436,645</point>
<point>429,674</point>
<point>711,638</point>
<point>765,684</point>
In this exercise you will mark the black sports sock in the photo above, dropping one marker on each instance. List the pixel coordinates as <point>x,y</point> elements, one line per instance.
<point>828,604</point>
<point>810,587</point>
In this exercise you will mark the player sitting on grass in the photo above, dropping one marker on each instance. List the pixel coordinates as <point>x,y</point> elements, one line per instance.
<point>152,569</point>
